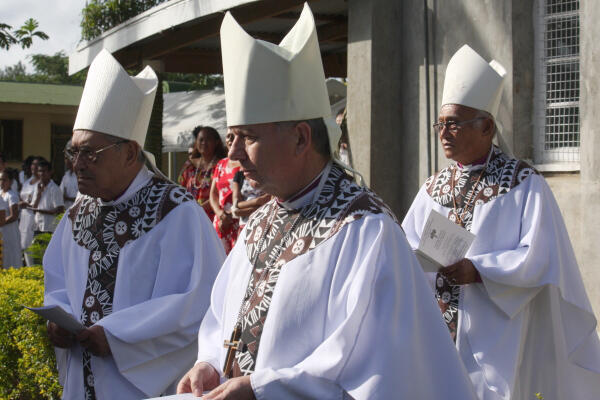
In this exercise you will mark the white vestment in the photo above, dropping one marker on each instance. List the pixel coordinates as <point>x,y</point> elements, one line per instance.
<point>161,293</point>
<point>3,207</point>
<point>26,216</point>
<point>528,327</point>
<point>10,234</point>
<point>69,187</point>
<point>51,198</point>
<point>351,316</point>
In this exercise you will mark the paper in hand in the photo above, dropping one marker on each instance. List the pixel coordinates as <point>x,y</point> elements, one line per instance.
<point>442,243</point>
<point>59,316</point>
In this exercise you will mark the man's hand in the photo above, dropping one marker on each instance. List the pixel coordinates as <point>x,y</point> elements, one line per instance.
<point>234,389</point>
<point>94,340</point>
<point>461,272</point>
<point>198,379</point>
<point>59,337</point>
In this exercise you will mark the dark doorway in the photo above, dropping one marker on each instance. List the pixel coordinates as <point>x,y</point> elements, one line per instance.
<point>60,136</point>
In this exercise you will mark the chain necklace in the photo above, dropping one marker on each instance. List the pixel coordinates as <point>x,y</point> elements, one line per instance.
<point>469,201</point>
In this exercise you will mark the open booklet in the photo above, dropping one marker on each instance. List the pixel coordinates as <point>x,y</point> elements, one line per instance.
<point>59,316</point>
<point>442,243</point>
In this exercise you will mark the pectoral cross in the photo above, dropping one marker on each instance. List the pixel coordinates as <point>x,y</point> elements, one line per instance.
<point>233,345</point>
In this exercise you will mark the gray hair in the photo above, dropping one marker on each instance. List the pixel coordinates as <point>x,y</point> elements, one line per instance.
<point>115,139</point>
<point>487,115</point>
<point>318,134</point>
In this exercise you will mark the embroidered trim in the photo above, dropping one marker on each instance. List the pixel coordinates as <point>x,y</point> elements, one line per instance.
<point>104,230</point>
<point>340,202</point>
<point>502,174</point>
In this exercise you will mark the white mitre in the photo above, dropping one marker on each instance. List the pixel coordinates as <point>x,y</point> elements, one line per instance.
<point>115,103</point>
<point>265,82</point>
<point>470,81</point>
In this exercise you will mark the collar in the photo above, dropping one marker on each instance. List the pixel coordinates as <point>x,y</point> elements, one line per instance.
<point>141,179</point>
<point>309,193</point>
<point>477,164</point>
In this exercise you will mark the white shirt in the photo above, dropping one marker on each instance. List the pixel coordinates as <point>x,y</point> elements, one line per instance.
<point>51,198</point>
<point>26,217</point>
<point>161,294</point>
<point>11,234</point>
<point>69,187</point>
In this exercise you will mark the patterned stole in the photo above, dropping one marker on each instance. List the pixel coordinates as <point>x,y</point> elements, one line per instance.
<point>501,175</point>
<point>340,202</point>
<point>104,230</point>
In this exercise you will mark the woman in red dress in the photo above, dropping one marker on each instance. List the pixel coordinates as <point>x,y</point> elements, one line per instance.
<point>221,199</point>
<point>196,174</point>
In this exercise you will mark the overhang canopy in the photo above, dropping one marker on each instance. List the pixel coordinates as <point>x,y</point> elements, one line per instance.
<point>184,34</point>
<point>183,111</point>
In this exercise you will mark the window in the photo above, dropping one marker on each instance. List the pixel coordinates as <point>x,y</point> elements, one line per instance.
<point>11,139</point>
<point>557,82</point>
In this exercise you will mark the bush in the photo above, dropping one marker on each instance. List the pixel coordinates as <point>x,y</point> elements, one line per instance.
<point>27,358</point>
<point>38,247</point>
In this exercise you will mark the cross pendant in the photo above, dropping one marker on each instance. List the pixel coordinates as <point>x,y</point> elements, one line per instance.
<point>233,345</point>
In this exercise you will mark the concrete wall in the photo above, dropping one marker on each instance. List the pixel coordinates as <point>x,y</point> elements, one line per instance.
<point>589,250</point>
<point>375,70</point>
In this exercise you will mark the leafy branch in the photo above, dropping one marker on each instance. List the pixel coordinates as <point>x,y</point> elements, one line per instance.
<point>23,36</point>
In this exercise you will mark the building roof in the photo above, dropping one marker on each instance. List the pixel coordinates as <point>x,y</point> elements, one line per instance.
<point>40,93</point>
<point>184,34</point>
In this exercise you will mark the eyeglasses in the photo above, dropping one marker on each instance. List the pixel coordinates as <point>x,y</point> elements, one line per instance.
<point>452,126</point>
<point>90,156</point>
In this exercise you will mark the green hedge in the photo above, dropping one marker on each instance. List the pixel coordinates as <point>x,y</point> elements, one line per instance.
<point>26,356</point>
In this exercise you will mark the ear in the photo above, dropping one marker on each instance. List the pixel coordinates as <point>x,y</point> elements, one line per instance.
<point>303,138</point>
<point>489,127</point>
<point>131,150</point>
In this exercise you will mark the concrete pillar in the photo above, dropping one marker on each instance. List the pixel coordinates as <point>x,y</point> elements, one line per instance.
<point>377,137</point>
<point>590,149</point>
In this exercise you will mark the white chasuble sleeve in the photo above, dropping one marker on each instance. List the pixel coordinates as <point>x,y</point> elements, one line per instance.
<point>383,337</point>
<point>530,273</point>
<point>161,294</point>
<point>529,326</point>
<point>352,317</point>
<point>55,286</point>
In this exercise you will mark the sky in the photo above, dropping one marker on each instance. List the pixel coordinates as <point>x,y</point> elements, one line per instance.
<point>59,19</point>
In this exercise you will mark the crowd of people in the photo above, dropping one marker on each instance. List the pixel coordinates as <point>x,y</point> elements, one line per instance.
<point>29,205</point>
<point>321,295</point>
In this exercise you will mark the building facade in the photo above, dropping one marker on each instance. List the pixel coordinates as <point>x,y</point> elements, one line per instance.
<point>37,119</point>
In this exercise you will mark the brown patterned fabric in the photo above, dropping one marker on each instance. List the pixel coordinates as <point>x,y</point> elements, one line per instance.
<point>104,230</point>
<point>341,201</point>
<point>500,176</point>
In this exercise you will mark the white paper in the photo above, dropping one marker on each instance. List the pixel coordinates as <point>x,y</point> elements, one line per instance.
<point>184,396</point>
<point>59,316</point>
<point>442,243</point>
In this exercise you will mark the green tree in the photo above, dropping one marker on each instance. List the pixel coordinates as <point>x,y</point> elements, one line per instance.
<point>56,68</point>
<point>16,72</point>
<point>101,15</point>
<point>23,36</point>
<point>48,69</point>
